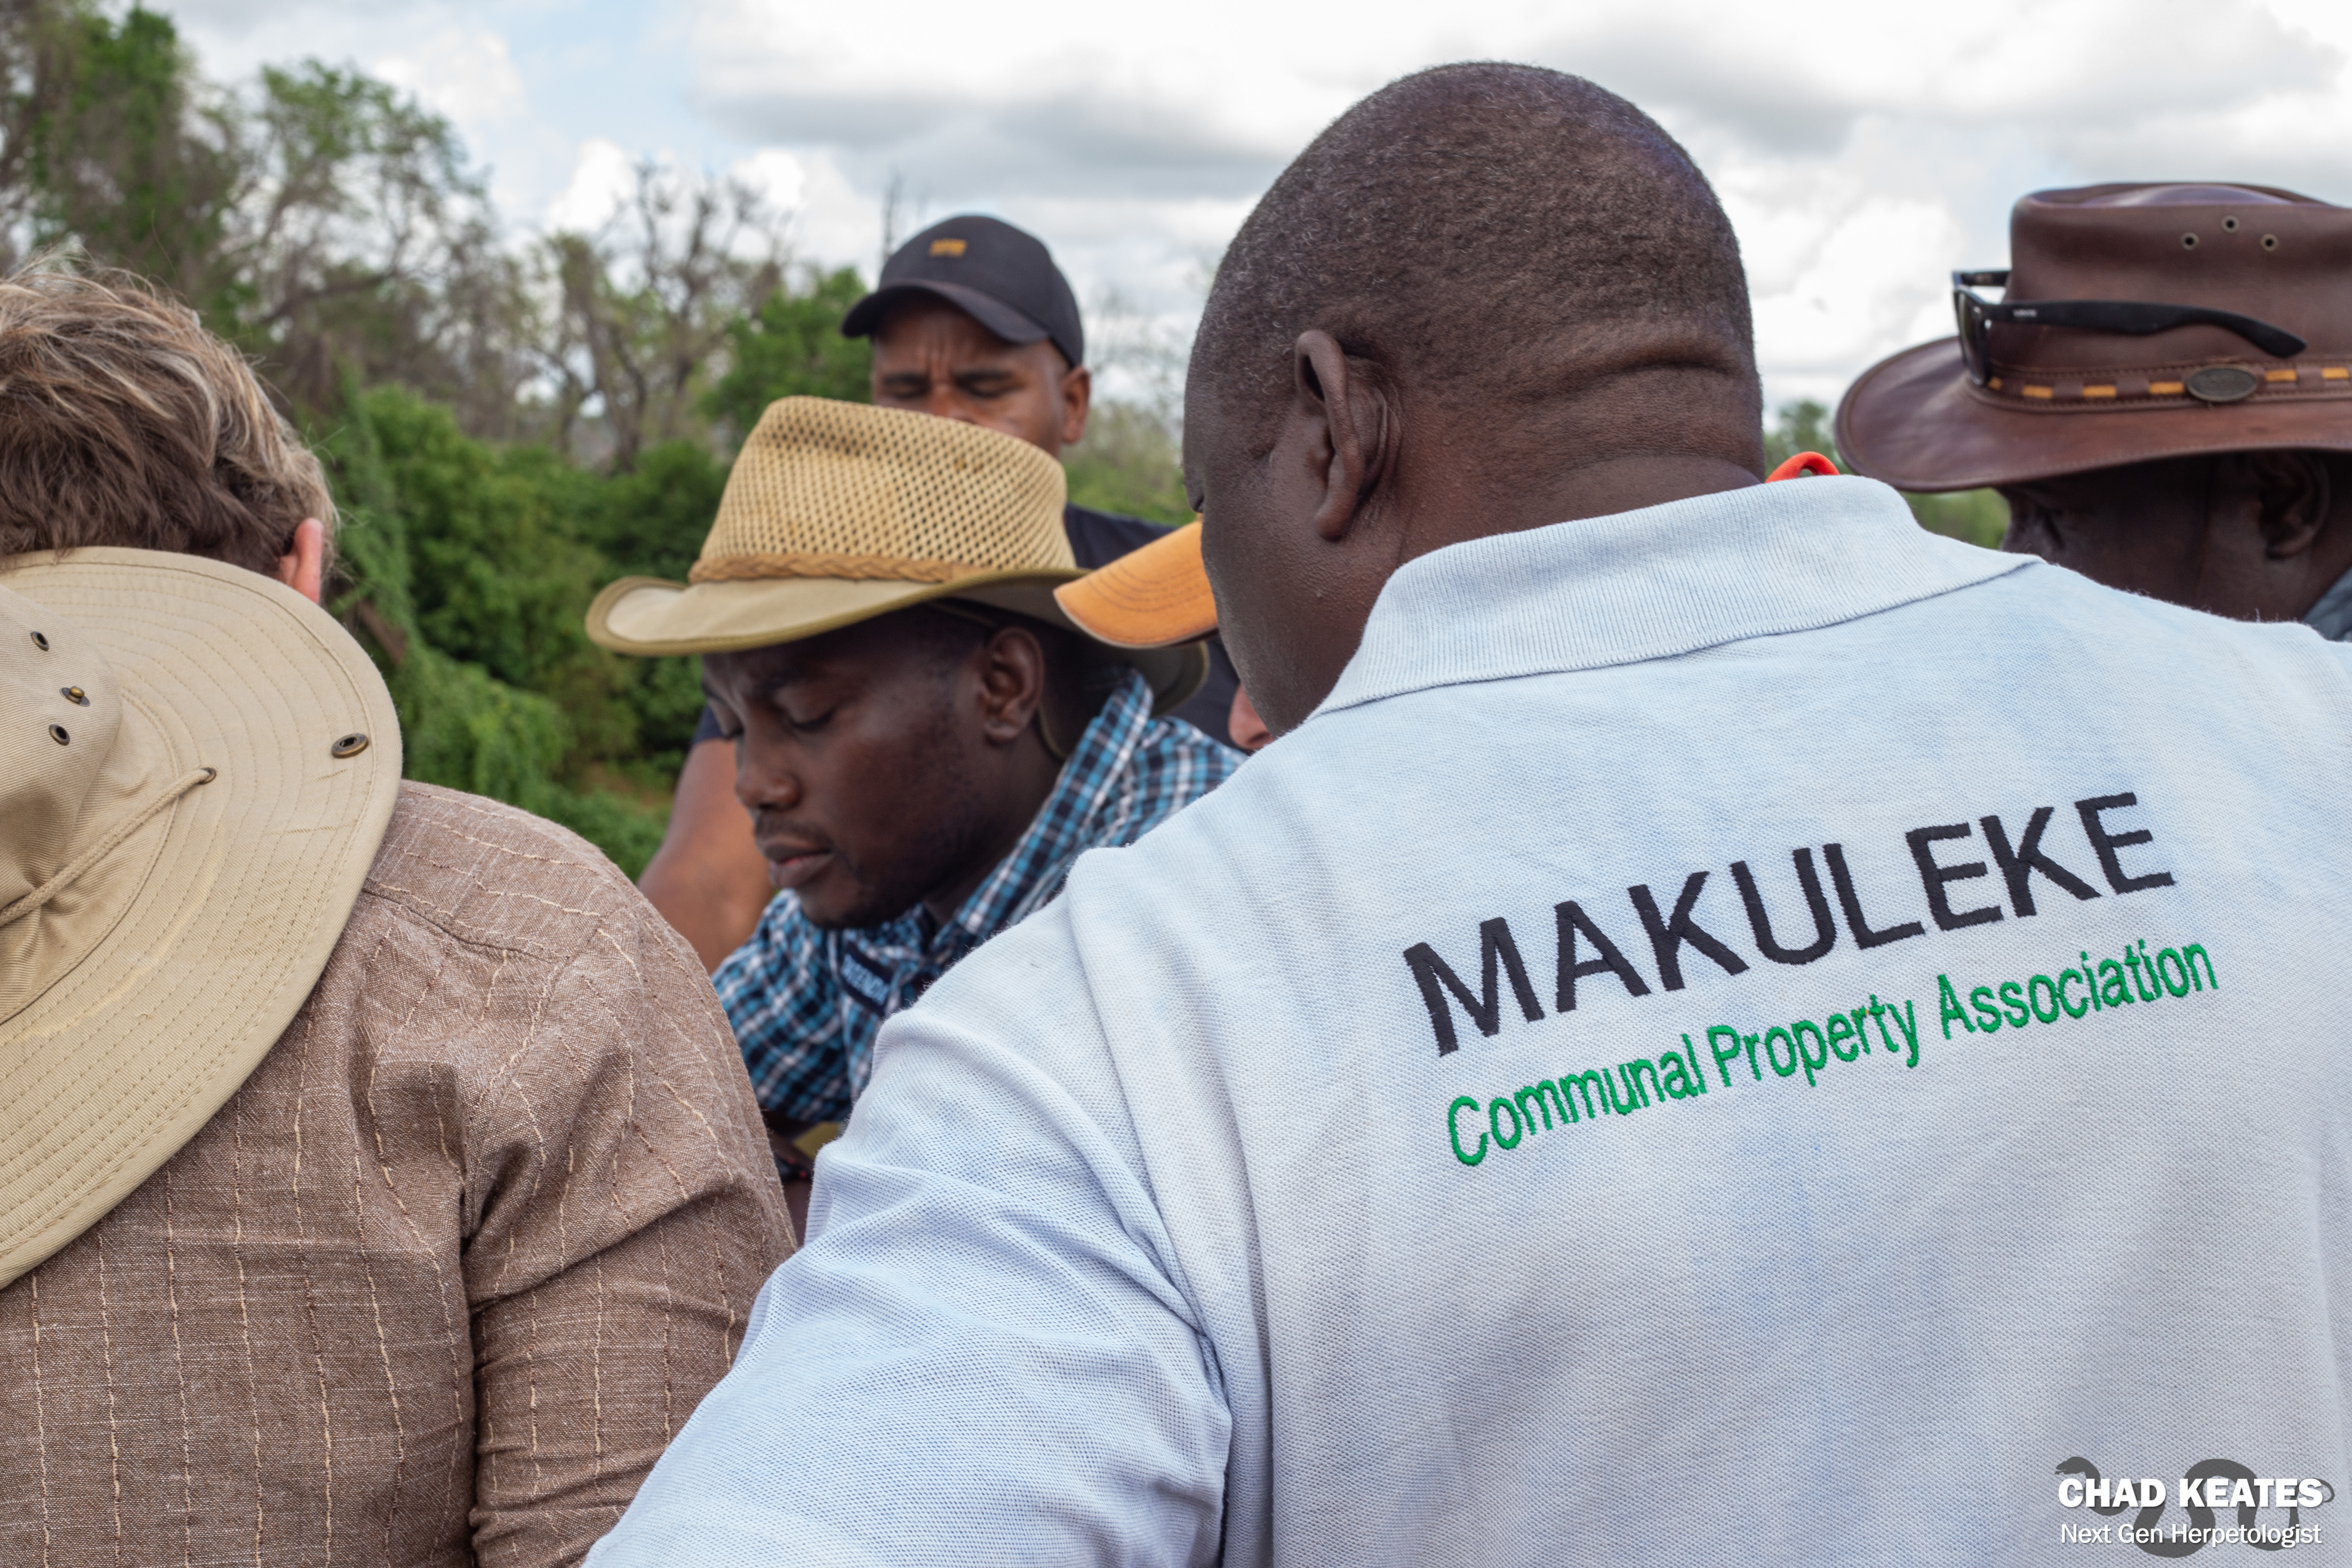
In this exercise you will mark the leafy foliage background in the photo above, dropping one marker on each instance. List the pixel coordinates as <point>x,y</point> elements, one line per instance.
<point>509,423</point>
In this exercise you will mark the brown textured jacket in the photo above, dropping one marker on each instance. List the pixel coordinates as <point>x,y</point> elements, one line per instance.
<point>441,1280</point>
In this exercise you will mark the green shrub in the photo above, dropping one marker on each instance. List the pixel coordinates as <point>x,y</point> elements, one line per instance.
<point>467,569</point>
<point>1128,463</point>
<point>793,347</point>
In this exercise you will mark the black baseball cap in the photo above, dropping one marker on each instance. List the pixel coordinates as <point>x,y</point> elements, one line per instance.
<point>1000,276</point>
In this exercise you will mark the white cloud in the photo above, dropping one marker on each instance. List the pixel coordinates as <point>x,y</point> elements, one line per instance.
<point>526,81</point>
<point>463,73</point>
<point>834,224</point>
<point>1864,148</point>
<point>780,176</point>
<point>602,178</point>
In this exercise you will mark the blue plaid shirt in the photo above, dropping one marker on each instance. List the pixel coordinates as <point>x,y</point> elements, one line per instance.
<point>806,1004</point>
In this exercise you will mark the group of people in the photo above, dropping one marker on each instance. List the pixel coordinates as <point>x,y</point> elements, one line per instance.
<point>1008,1128</point>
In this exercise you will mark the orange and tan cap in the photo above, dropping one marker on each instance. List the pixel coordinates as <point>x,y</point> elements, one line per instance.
<point>1157,596</point>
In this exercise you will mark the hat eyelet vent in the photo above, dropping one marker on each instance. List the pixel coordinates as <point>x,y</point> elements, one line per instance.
<point>2231,224</point>
<point>2270,242</point>
<point>2187,242</point>
<point>57,733</point>
<point>41,641</point>
<point>350,745</point>
<point>74,695</point>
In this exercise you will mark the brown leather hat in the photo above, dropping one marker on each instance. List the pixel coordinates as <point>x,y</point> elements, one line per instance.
<point>2134,383</point>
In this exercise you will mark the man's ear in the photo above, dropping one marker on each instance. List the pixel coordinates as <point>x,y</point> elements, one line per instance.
<point>2292,493</point>
<point>1349,425</point>
<point>303,568</point>
<point>1012,683</point>
<point>1078,397</point>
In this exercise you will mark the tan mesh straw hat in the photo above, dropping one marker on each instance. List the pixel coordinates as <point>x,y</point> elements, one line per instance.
<point>837,512</point>
<point>196,766</point>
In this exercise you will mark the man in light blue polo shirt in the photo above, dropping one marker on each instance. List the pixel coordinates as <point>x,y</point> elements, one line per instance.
<point>1725,1029</point>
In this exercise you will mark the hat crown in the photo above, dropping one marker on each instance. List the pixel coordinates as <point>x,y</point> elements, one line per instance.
<point>831,489</point>
<point>53,683</point>
<point>938,251</point>
<point>2270,254</point>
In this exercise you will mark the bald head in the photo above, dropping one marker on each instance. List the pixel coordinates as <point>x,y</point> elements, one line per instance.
<point>1487,298</point>
<point>1496,232</point>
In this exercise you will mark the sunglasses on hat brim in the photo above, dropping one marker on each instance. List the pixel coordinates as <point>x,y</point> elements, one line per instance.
<point>1976,316</point>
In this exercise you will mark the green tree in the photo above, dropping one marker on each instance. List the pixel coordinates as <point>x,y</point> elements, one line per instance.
<point>1131,460</point>
<point>647,305</point>
<point>361,240</point>
<point>1798,426</point>
<point>131,157</point>
<point>651,523</point>
<point>334,228</point>
<point>791,346</point>
<point>320,219</point>
<point>464,572</point>
<point>1976,516</point>
<point>1128,463</point>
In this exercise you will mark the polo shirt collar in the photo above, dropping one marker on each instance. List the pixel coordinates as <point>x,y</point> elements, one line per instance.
<point>1653,584</point>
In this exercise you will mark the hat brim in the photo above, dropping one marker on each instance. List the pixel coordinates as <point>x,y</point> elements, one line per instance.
<point>654,618</point>
<point>1913,421</point>
<point>1014,326</point>
<point>219,915</point>
<point>1157,596</point>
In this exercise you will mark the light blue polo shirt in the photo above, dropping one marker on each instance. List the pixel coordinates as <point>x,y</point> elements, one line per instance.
<point>1741,1032</point>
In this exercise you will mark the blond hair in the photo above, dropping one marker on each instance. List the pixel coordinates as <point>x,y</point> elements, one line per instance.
<point>125,422</point>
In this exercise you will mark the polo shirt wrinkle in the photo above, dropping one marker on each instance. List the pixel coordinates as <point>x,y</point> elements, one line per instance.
<point>806,1004</point>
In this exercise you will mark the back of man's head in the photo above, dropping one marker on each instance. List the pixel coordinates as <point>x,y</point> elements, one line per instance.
<point>123,422</point>
<point>1494,232</point>
<point>1490,297</point>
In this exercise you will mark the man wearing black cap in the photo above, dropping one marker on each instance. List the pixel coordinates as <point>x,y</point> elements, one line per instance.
<point>991,316</point>
<point>972,321</point>
<point>2163,392</point>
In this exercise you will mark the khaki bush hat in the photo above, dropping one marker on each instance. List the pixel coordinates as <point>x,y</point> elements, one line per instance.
<point>2135,322</point>
<point>838,512</point>
<point>196,767</point>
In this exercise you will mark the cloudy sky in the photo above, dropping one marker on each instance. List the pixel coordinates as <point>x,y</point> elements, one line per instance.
<point>1862,148</point>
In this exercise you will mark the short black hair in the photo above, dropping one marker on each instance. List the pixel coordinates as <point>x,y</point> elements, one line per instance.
<point>1486,223</point>
<point>1080,673</point>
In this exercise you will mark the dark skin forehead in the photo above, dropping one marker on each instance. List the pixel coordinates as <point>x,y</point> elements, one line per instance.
<point>931,357</point>
<point>854,658</point>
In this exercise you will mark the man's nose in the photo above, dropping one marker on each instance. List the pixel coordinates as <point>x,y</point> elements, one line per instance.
<point>769,789</point>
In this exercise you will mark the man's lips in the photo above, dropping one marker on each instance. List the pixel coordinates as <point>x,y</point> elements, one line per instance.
<point>791,865</point>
